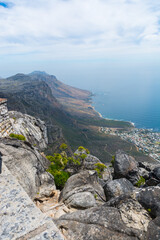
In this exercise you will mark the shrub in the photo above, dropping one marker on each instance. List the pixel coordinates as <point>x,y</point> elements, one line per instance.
<point>100,168</point>
<point>17,136</point>
<point>63,146</point>
<point>140,182</point>
<point>81,149</point>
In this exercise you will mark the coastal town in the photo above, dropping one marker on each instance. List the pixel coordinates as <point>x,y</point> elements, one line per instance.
<point>146,140</point>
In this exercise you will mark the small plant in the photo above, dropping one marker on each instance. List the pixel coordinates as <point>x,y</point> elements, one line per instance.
<point>63,146</point>
<point>140,182</point>
<point>100,168</point>
<point>17,136</point>
<point>113,160</point>
<point>81,149</point>
<point>95,196</point>
<point>149,210</point>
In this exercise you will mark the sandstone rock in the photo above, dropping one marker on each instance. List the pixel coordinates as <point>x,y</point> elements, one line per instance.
<point>117,187</point>
<point>81,190</point>
<point>126,166</point>
<point>97,223</point>
<point>27,165</point>
<point>154,229</point>
<point>149,198</point>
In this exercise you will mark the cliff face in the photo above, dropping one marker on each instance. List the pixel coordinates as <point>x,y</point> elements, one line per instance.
<point>27,165</point>
<point>5,123</point>
<point>34,130</point>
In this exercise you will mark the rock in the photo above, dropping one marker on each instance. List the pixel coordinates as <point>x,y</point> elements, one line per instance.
<point>144,173</point>
<point>34,130</point>
<point>97,223</point>
<point>117,187</point>
<point>156,172</point>
<point>81,200</point>
<point>149,198</point>
<point>152,182</point>
<point>88,164</point>
<point>125,166</point>
<point>28,166</point>
<point>82,190</point>
<point>154,229</point>
<point>134,215</point>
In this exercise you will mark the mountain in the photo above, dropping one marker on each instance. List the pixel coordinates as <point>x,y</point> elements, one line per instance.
<point>42,96</point>
<point>75,101</point>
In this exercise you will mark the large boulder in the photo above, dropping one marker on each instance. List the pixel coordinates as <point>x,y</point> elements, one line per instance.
<point>117,187</point>
<point>28,166</point>
<point>125,166</point>
<point>156,173</point>
<point>149,198</point>
<point>97,223</point>
<point>82,190</point>
<point>154,229</point>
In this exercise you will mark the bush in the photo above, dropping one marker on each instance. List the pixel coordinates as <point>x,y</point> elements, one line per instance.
<point>63,146</point>
<point>60,178</point>
<point>100,168</point>
<point>17,136</point>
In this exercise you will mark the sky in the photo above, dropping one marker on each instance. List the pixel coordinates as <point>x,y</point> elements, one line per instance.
<point>80,41</point>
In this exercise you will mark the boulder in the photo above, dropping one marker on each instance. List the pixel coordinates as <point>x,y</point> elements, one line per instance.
<point>97,223</point>
<point>117,187</point>
<point>156,173</point>
<point>154,229</point>
<point>126,167</point>
<point>149,198</point>
<point>144,173</point>
<point>28,166</point>
<point>82,190</point>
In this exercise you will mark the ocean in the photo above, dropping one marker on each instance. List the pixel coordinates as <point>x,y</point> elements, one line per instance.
<point>136,104</point>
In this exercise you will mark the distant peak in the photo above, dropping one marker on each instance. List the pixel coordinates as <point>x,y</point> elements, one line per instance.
<point>39,73</point>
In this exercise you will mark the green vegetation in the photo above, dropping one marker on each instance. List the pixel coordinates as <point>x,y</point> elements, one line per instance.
<point>18,136</point>
<point>140,182</point>
<point>100,169</point>
<point>112,161</point>
<point>58,163</point>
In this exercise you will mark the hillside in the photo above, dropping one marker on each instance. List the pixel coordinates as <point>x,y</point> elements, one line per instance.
<point>39,94</point>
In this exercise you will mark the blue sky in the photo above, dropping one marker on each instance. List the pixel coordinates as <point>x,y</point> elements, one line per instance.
<point>53,34</point>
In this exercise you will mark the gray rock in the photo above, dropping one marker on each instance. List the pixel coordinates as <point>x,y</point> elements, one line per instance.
<point>81,200</point>
<point>34,130</point>
<point>97,223</point>
<point>144,173</point>
<point>156,172</point>
<point>154,229</point>
<point>149,198</point>
<point>152,182</point>
<point>86,186</point>
<point>126,166</point>
<point>117,187</point>
<point>28,166</point>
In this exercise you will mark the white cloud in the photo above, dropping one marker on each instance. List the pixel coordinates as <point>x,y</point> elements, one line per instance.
<point>79,28</point>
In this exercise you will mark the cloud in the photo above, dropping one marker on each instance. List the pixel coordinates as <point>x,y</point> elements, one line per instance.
<point>79,28</point>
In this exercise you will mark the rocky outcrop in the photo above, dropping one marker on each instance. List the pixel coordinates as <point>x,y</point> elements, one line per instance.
<point>5,123</point>
<point>34,130</point>
<point>27,165</point>
<point>82,191</point>
<point>154,229</point>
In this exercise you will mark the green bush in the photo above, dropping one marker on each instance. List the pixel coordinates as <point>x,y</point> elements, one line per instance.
<point>140,182</point>
<point>63,146</point>
<point>83,149</point>
<point>100,168</point>
<point>17,136</point>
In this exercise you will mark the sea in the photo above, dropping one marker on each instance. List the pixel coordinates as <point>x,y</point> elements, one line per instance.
<point>138,104</point>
